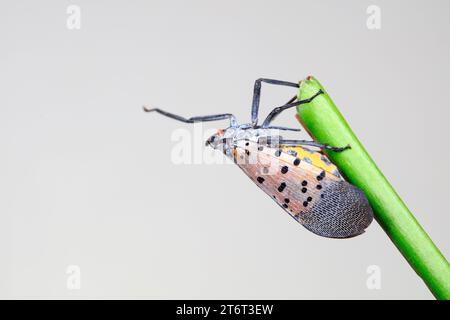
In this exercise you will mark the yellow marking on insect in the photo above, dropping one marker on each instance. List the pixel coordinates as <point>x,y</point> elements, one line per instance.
<point>315,157</point>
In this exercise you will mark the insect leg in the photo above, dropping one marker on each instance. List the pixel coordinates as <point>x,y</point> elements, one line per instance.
<point>214,117</point>
<point>275,112</point>
<point>284,128</point>
<point>257,94</point>
<point>313,144</point>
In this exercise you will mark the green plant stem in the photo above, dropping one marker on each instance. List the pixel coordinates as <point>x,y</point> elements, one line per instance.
<point>324,122</point>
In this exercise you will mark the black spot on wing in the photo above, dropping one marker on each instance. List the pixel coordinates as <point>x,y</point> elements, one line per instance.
<point>282,187</point>
<point>321,176</point>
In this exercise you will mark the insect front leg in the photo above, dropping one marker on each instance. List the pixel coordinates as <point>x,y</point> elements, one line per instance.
<point>214,117</point>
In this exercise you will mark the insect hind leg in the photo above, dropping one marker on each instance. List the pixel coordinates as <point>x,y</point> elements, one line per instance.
<point>284,128</point>
<point>313,144</point>
<point>278,141</point>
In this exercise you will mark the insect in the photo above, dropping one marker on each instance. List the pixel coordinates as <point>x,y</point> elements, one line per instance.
<point>303,182</point>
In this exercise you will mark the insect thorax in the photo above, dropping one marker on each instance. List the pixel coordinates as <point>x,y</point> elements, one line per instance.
<point>226,139</point>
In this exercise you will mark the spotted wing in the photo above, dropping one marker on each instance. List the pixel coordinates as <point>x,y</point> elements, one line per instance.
<point>318,199</point>
<point>315,158</point>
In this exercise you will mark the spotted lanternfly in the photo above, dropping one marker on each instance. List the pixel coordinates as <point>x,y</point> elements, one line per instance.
<point>302,181</point>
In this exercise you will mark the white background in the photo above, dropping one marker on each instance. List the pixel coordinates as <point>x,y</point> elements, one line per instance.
<point>86,177</point>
